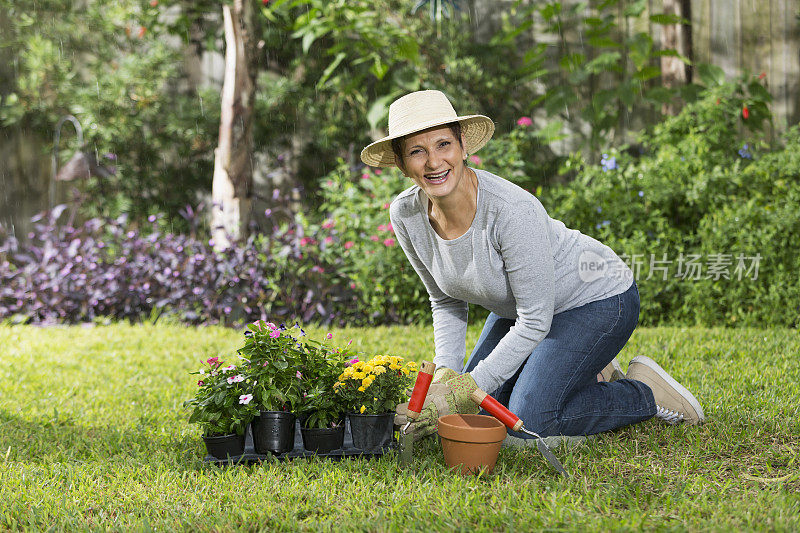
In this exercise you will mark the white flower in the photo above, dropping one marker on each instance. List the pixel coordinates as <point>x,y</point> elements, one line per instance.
<point>235,379</point>
<point>227,368</point>
<point>202,371</point>
<point>244,399</point>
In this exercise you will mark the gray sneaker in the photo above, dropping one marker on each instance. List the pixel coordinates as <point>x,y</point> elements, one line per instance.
<point>612,371</point>
<point>674,402</point>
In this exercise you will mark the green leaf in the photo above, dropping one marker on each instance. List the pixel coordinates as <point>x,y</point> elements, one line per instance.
<point>710,75</point>
<point>329,70</point>
<point>603,62</point>
<point>647,73</point>
<point>667,18</point>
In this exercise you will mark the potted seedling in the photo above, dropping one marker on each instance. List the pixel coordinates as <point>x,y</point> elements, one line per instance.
<point>274,358</point>
<point>222,407</point>
<point>322,411</point>
<point>372,390</point>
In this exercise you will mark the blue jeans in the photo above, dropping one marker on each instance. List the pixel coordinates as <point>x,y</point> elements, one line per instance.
<point>555,391</point>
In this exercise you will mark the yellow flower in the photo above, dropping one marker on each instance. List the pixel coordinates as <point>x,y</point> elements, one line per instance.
<point>348,371</point>
<point>412,365</point>
<point>405,371</point>
<point>359,375</point>
<point>367,381</point>
<point>361,389</point>
<point>367,368</point>
<point>394,366</point>
<point>378,370</point>
<point>363,408</point>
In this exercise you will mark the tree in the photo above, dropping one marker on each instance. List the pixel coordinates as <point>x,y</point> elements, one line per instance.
<point>233,172</point>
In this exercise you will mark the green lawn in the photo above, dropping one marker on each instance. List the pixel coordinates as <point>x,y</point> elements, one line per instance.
<point>93,436</point>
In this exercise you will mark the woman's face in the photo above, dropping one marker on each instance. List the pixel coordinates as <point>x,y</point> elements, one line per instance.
<point>434,160</point>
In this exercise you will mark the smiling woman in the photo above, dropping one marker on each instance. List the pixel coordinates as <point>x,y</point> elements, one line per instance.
<point>562,304</point>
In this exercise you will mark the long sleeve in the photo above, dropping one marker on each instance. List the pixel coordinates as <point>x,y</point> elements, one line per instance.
<point>449,314</point>
<point>521,231</point>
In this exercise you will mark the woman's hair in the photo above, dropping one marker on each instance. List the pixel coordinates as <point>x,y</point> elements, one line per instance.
<point>397,144</point>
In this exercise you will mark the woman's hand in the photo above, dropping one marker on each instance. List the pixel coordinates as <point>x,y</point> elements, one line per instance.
<point>451,394</point>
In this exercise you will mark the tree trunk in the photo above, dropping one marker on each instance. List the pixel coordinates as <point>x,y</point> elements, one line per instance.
<point>233,172</point>
<point>678,37</point>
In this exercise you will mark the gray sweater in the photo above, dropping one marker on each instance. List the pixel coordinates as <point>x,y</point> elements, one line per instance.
<point>514,260</point>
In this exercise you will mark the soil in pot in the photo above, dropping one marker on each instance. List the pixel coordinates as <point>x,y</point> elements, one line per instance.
<point>471,443</point>
<point>323,440</point>
<point>371,432</point>
<point>273,432</point>
<point>225,446</point>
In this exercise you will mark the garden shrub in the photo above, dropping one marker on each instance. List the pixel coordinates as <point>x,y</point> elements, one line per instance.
<point>113,268</point>
<point>698,187</point>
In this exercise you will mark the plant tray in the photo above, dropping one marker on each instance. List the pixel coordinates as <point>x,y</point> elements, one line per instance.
<point>347,450</point>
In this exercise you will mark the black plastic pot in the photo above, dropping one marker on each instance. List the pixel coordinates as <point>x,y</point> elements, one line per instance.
<point>273,431</point>
<point>323,440</point>
<point>225,446</point>
<point>371,432</point>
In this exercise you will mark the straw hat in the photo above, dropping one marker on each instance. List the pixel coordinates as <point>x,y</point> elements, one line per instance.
<point>421,110</point>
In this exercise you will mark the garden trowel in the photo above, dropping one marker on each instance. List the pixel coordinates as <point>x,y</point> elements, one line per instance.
<point>415,404</point>
<point>512,421</point>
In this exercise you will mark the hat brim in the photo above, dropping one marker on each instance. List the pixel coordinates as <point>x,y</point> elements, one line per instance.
<point>476,129</point>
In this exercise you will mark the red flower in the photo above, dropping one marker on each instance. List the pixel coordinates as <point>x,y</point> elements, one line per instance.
<point>142,31</point>
<point>745,112</point>
<point>153,3</point>
<point>264,2</point>
<point>762,75</point>
<point>200,383</point>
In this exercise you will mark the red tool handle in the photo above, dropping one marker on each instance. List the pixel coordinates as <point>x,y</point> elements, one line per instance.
<point>496,409</point>
<point>421,387</point>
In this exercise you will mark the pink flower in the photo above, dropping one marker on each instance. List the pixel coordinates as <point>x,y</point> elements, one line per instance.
<point>329,336</point>
<point>328,240</point>
<point>238,378</point>
<point>212,361</point>
<point>200,383</point>
<point>382,227</point>
<point>329,183</point>
<point>299,375</point>
<point>328,224</point>
<point>364,176</point>
<point>388,242</point>
<point>305,240</point>
<point>244,399</point>
<point>274,334</point>
<point>348,245</point>
<point>270,325</point>
<point>227,368</point>
<point>524,122</point>
<point>475,159</point>
<point>389,227</point>
<point>386,205</point>
<point>374,238</point>
<point>352,361</point>
<point>378,171</point>
<point>352,285</point>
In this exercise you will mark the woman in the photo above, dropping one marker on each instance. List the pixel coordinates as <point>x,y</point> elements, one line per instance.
<point>562,304</point>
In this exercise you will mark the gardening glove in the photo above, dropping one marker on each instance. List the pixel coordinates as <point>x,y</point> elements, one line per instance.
<point>444,398</point>
<point>440,376</point>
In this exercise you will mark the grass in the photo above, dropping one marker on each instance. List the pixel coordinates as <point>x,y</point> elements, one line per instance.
<point>93,436</point>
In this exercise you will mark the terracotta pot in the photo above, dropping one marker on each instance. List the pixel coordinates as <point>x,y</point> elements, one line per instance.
<point>471,442</point>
